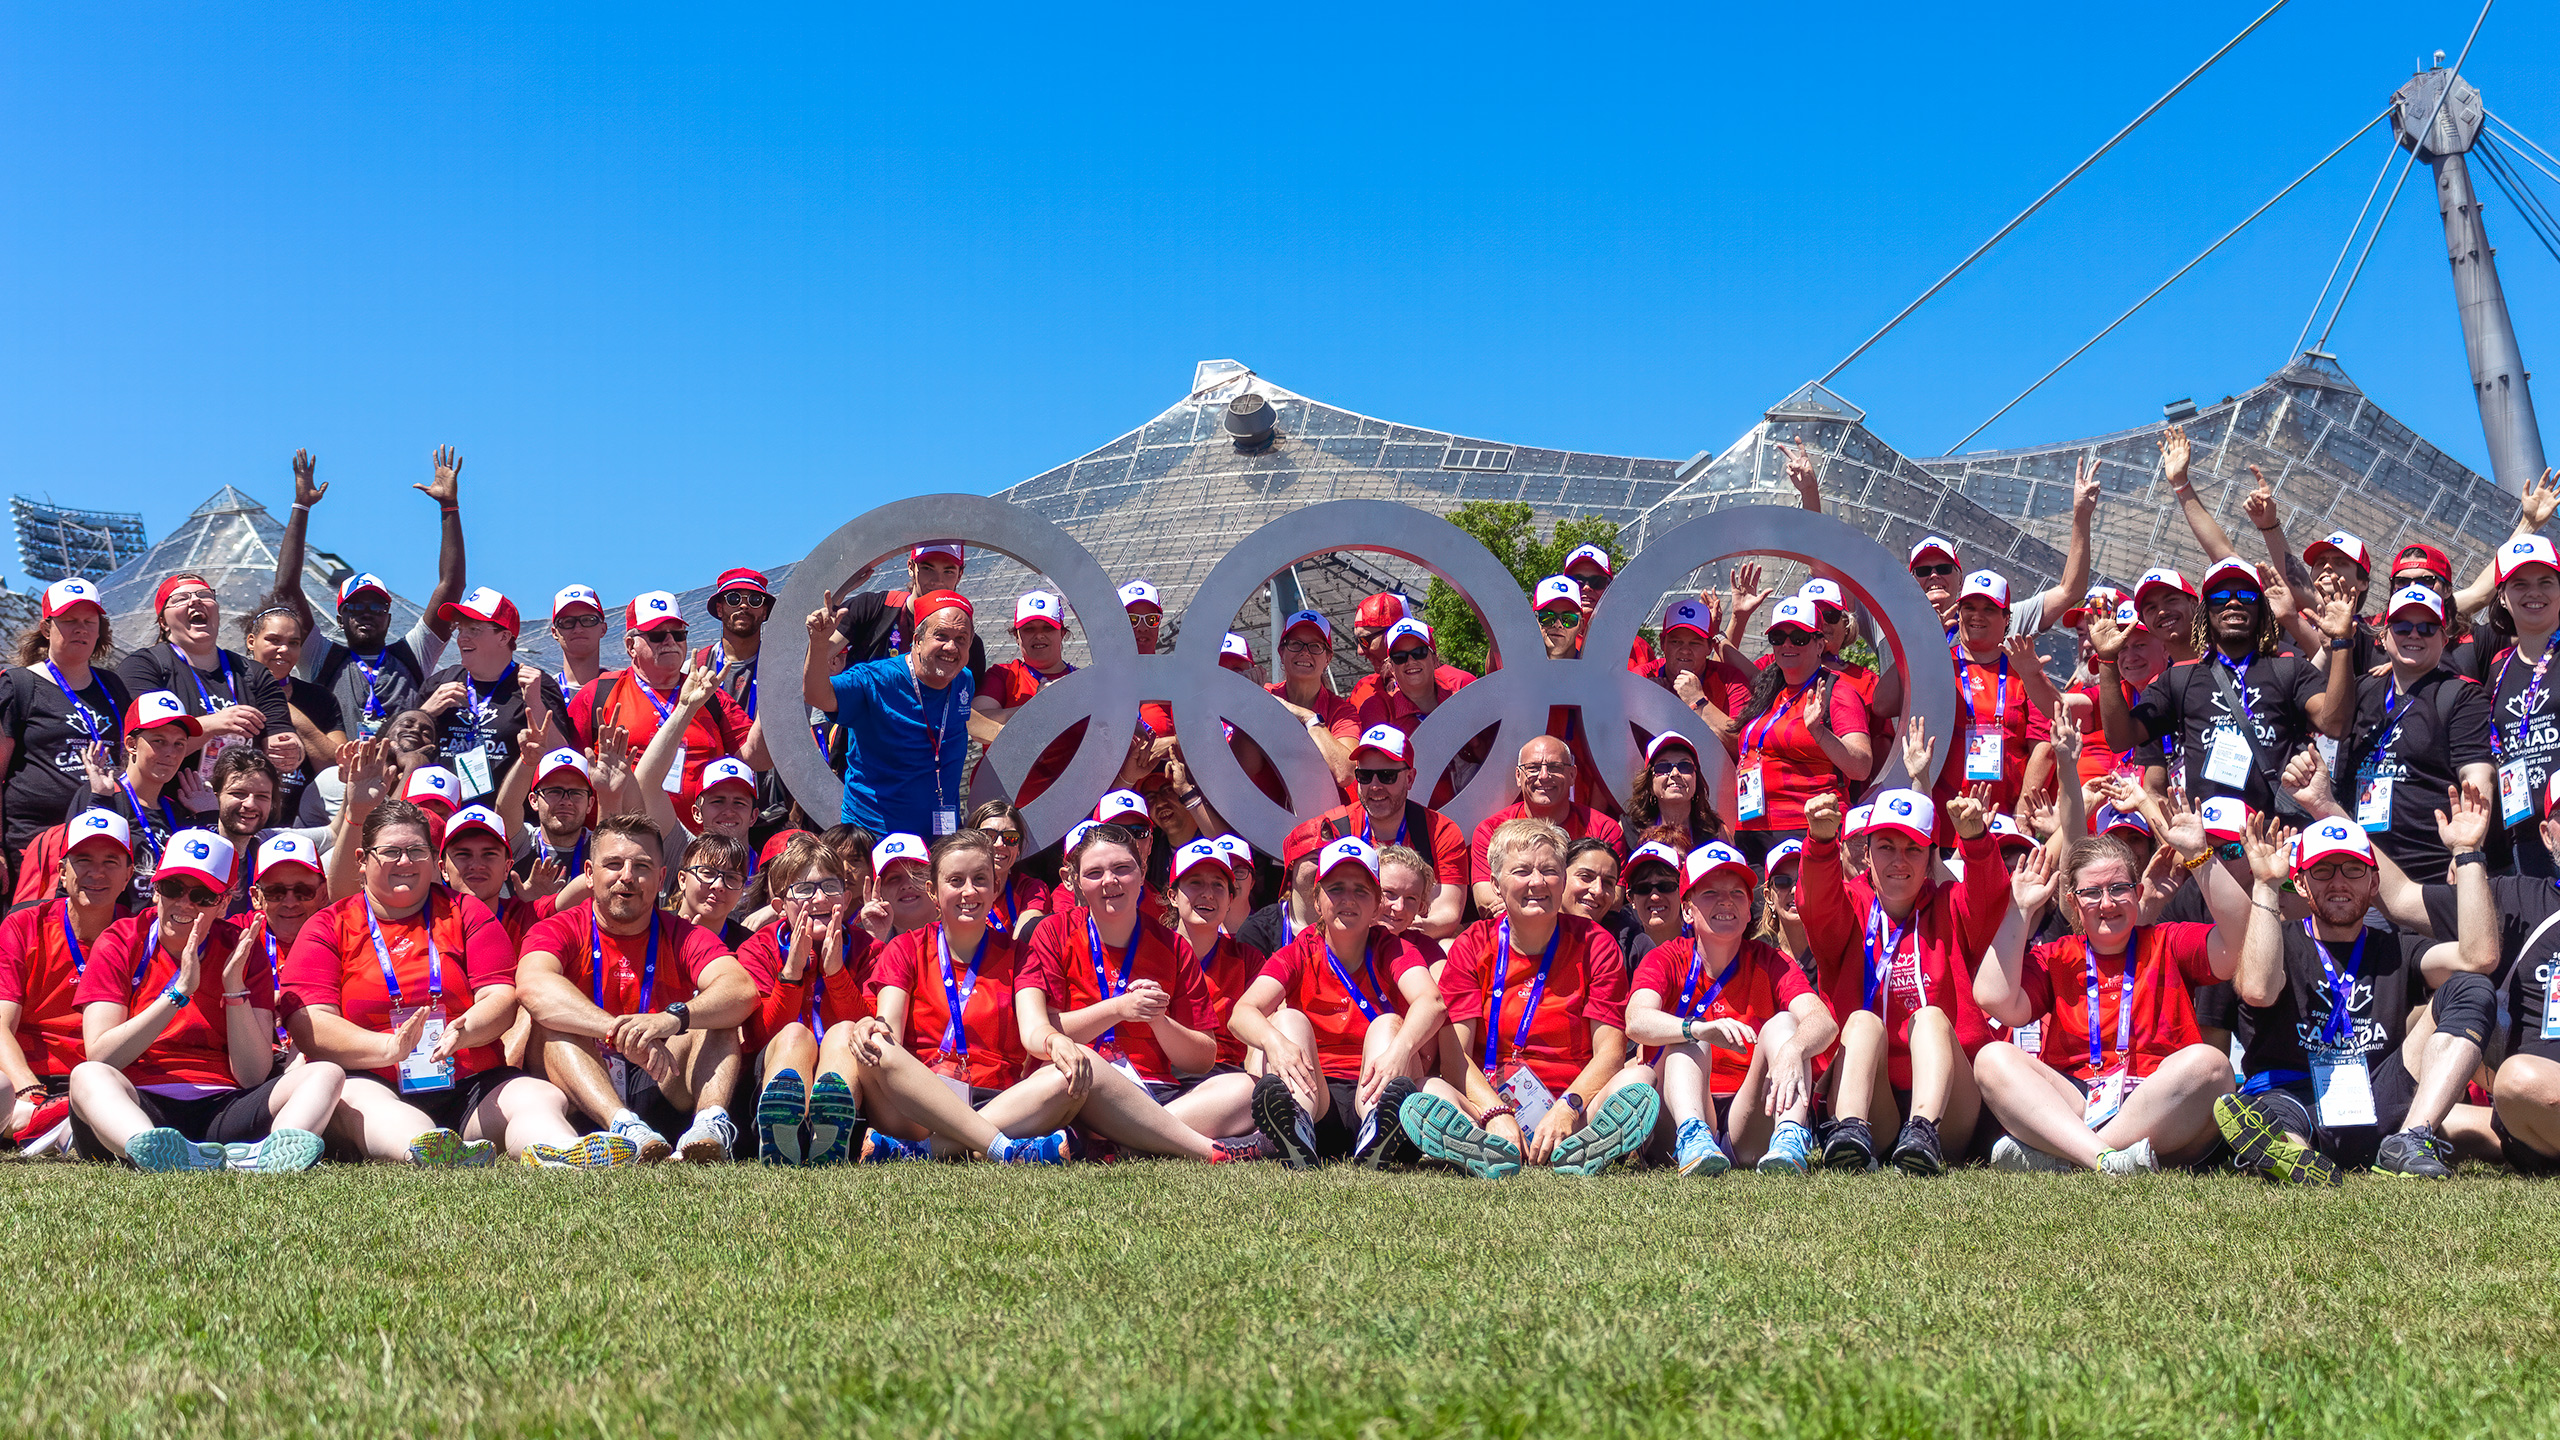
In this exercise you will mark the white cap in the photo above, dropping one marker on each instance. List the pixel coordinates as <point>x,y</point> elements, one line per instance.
<point>289,848</point>
<point>2128,618</point>
<point>951,550</point>
<point>1823,592</point>
<point>2344,544</point>
<point>1238,853</point>
<point>1139,592</point>
<point>469,817</point>
<point>1198,853</point>
<point>1938,543</point>
<point>1797,611</point>
<point>1075,833</point>
<point>70,591</point>
<point>1908,811</point>
<point>2006,829</point>
<point>1665,741</point>
<point>433,782</point>
<point>1297,618</point>
<point>1780,853</point>
<point>1991,585</point>
<point>1690,615</point>
<point>1387,740</point>
<point>1123,802</point>
<point>1408,628</point>
<point>1349,850</point>
<point>1711,857</point>
<point>576,595</point>
<point>2522,551</point>
<point>2414,597</point>
<point>899,848</point>
<point>2333,836</point>
<point>2163,575</point>
<point>727,770</point>
<point>561,759</point>
<point>1652,850</point>
<point>197,855</point>
<point>1235,647</point>
<point>1857,820</point>
<point>1556,590</point>
<point>91,825</point>
<point>1592,553</point>
<point>1038,605</point>
<point>2225,817</point>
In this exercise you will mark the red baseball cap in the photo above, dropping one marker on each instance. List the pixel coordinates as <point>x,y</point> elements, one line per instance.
<point>481,604</point>
<point>934,600</point>
<point>2422,557</point>
<point>1381,610</point>
<point>742,579</point>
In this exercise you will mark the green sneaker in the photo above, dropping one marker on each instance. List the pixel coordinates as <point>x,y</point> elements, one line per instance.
<point>1444,1132</point>
<point>2259,1147</point>
<point>1619,1127</point>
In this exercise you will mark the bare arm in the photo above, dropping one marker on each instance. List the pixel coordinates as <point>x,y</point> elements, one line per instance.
<point>2174,456</point>
<point>290,550</point>
<point>2074,583</point>
<point>446,491</point>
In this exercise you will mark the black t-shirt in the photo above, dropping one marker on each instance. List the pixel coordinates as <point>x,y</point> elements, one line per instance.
<point>234,680</point>
<point>152,824</point>
<point>365,694</point>
<point>2525,725</point>
<point>2523,977</point>
<point>2439,726</point>
<point>1262,928</point>
<point>877,629</point>
<point>2264,702</point>
<point>2387,985</point>
<point>47,737</point>
<point>489,719</point>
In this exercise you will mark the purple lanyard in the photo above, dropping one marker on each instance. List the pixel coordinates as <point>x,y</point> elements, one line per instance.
<point>955,996</point>
<point>228,683</point>
<point>371,670</point>
<point>1753,742</point>
<point>2341,988</point>
<point>2124,1005</point>
<point>1537,991</point>
<point>649,965</point>
<point>142,818</point>
<point>435,959</point>
<point>480,707</point>
<point>2394,706</point>
<point>150,947</point>
<point>2000,702</point>
<point>2239,681</point>
<point>1878,974</point>
<point>1689,988</point>
<point>2532,694</point>
<point>1401,821</point>
<point>1368,964</point>
<point>1101,975</point>
<point>720,658</point>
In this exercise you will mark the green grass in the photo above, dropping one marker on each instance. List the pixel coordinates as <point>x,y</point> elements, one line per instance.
<point>1175,1300</point>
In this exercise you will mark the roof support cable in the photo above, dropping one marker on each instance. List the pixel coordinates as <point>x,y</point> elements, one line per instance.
<point>2536,215</point>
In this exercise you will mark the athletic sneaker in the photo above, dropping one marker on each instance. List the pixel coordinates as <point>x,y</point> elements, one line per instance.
<point>1277,1114</point>
<point>1699,1151</point>
<point>2137,1158</point>
<point>1444,1132</point>
<point>2013,1156</point>
<point>436,1149</point>
<point>1915,1152</point>
<point>1790,1149</point>
<point>882,1149</point>
<point>598,1150</point>
<point>1236,1148</point>
<point>1618,1128</point>
<point>2413,1154</point>
<point>835,1121</point>
<point>782,1108</point>
<point>283,1152</point>
<point>1049,1149</point>
<point>1382,1138</point>
<point>52,1142</point>
<point>2260,1147</point>
<point>161,1149</point>
<point>1851,1146</point>
<point>478,1154</point>
<point>711,1139</point>
<point>651,1146</point>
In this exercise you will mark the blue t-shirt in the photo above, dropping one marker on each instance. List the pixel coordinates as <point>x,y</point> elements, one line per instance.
<point>891,779</point>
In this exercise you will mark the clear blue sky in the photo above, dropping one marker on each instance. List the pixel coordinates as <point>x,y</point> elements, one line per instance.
<point>690,291</point>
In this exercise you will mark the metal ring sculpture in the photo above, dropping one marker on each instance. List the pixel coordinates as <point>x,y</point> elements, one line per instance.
<point>1201,693</point>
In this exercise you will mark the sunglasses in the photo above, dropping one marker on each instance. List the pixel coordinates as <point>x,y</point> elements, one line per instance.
<point>1591,582</point>
<point>577,622</point>
<point>1790,636</point>
<point>1566,618</point>
<point>352,607</point>
<point>671,635</point>
<point>2232,597</point>
<point>1376,777</point>
<point>744,599</point>
<point>1655,889</point>
<point>1409,657</point>
<point>1786,882</point>
<point>1931,572</point>
<point>1005,835</point>
<point>274,891</point>
<point>1675,767</point>
<point>2422,629</point>
<point>187,891</point>
<point>1147,622</point>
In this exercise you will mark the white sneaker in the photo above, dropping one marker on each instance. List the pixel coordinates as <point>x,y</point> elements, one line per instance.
<point>2137,1158</point>
<point>2010,1154</point>
<point>712,1138</point>
<point>53,1142</point>
<point>653,1147</point>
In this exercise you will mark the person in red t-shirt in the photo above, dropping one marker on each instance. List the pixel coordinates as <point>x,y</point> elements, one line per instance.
<point>2008,700</point>
<point>1545,776</point>
<point>643,696</point>
<point>613,984</point>
<point>181,1075</point>
<point>1040,634</point>
<point>44,955</point>
<point>1021,900</point>
<point>1738,1027</point>
<point>1306,653</point>
<point>1406,883</point>
<point>1412,685</point>
<point>1148,1017</point>
<point>943,1068</point>
<point>1386,814</point>
<point>1369,626</point>
<point>1537,1003</point>
<point>1805,733</point>
<point>412,986</point>
<point>1201,897</point>
<point>1895,953</point>
<point>2123,1081</point>
<point>812,969</point>
<point>1356,1033</point>
<point>476,859</point>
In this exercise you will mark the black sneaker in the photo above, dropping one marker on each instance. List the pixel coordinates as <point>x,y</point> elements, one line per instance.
<point>1851,1146</point>
<point>2259,1145</point>
<point>1382,1138</point>
<point>2412,1154</point>
<point>1916,1152</point>
<point>1277,1116</point>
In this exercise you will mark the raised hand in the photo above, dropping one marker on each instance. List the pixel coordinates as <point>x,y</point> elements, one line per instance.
<point>97,766</point>
<point>2107,639</point>
<point>2178,827</point>
<point>448,482</point>
<point>444,698</point>
<point>1802,474</point>
<point>2065,739</point>
<point>2174,454</point>
<point>2269,843</point>
<point>1917,747</point>
<point>306,491</point>
<point>612,758</point>
<point>2086,488</point>
<point>2260,502</point>
<point>235,970</point>
<point>191,953</point>
<point>2541,498</point>
<point>2034,883</point>
<point>2463,824</point>
<point>1969,812</point>
<point>1822,815</point>
<point>699,682</point>
<point>542,878</point>
<point>1748,596</point>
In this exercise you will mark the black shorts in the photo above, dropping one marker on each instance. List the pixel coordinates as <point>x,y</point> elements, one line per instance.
<point>1164,1094</point>
<point>2356,1146</point>
<point>231,1117</point>
<point>450,1109</point>
<point>1339,1131</point>
<point>2523,1158</point>
<point>980,1095</point>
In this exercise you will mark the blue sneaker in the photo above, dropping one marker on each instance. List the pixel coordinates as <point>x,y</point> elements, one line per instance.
<point>1699,1153</point>
<point>1790,1150</point>
<point>162,1149</point>
<point>882,1149</point>
<point>782,1109</point>
<point>1622,1123</point>
<point>835,1121</point>
<point>1049,1149</point>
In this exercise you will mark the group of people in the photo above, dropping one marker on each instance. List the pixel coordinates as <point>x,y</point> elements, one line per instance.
<point>2266,884</point>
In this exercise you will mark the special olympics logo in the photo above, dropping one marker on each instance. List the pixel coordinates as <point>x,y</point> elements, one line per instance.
<point>1899,807</point>
<point>1201,693</point>
<point>198,849</point>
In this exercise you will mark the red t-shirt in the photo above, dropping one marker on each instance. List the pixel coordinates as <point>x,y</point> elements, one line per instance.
<point>40,973</point>
<point>685,950</point>
<point>1231,969</point>
<point>1021,895</point>
<point>195,1047</point>
<point>1793,765</point>
<point>333,962</point>
<point>989,1053</point>
<point>1420,828</point>
<point>2169,962</point>
<point>719,727</point>
<point>1932,957</point>
<point>1341,1025</point>
<point>517,915</point>
<point>1337,714</point>
<point>816,999</point>
<point>2096,760</point>
<point>1763,982</point>
<point>1578,821</point>
<point>1060,966</point>
<point>1586,986</point>
<point>1012,684</point>
<point>1377,684</point>
<point>2022,728</point>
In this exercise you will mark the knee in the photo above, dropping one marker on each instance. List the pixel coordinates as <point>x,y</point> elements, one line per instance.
<point>89,1075</point>
<point>324,1072</point>
<point>2207,1068</point>
<point>1931,1021</point>
<point>1862,1030</point>
<point>1999,1061</point>
<point>2464,1007</point>
<point>2523,1080</point>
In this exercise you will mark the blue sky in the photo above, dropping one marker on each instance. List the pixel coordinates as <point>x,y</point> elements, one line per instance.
<point>688,292</point>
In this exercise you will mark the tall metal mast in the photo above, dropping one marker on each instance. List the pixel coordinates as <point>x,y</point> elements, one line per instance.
<point>2498,378</point>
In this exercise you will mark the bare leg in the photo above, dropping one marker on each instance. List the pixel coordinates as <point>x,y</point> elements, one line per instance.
<point>373,1119</point>
<point>1117,1107</point>
<point>1859,1073</point>
<point>575,1064</point>
<point>307,1094</point>
<point>1685,1073</point>
<point>910,1102</point>
<point>2039,1106</point>
<point>2444,1068</point>
<point>2173,1109</point>
<point>519,1113</point>
<point>2528,1090</point>
<point>1942,1084</point>
<point>1217,1107</point>
<point>712,1075</point>
<point>792,1048</point>
<point>107,1103</point>
<point>1303,1035</point>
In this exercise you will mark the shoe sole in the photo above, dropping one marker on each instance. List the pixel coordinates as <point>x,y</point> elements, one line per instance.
<point>1618,1128</point>
<point>780,1112</point>
<point>479,1154</point>
<point>708,1150</point>
<point>2259,1147</point>
<point>1916,1161</point>
<point>164,1151</point>
<point>598,1151</point>
<point>285,1152</point>
<point>653,1150</point>
<point>1394,1147</point>
<point>1275,1114</point>
<point>1713,1163</point>
<point>1443,1132</point>
<point>436,1150</point>
<point>835,1122</point>
<point>1780,1165</point>
<point>1841,1155</point>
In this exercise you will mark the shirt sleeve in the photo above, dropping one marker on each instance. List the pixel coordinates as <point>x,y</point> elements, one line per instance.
<point>1042,961</point>
<point>1461,980</point>
<point>2466,724</point>
<point>17,937</point>
<point>2442,908</point>
<point>314,972</point>
<point>1653,972</point>
<point>1786,978</point>
<point>1448,850</point>
<point>1479,867</point>
<point>2189,951</point>
<point>1191,1007</point>
<point>700,948</point>
<point>263,692</point>
<point>1848,708</point>
<point>425,643</point>
<point>852,692</point>
<point>2035,979</point>
<point>488,956</point>
<point>1604,971</point>
<point>555,937</point>
<point>109,978</point>
<point>2157,712</point>
<point>1282,965</point>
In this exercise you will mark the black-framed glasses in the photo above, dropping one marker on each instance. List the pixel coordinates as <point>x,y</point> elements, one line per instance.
<point>1932,572</point>
<point>1560,617</point>
<point>1654,889</point>
<point>187,891</point>
<point>2232,597</point>
<point>669,635</point>
<point>1675,767</point>
<point>1376,777</point>
<point>2422,629</point>
<point>1303,647</point>
<point>401,854</point>
<point>1414,656</point>
<point>561,794</point>
<point>278,890</point>
<point>2121,890</point>
<point>814,889</point>
<point>716,877</point>
<point>577,622</point>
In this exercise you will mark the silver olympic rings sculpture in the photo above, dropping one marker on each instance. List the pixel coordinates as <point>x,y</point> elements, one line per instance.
<point>1513,700</point>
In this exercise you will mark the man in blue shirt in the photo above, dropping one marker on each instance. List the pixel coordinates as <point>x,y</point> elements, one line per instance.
<point>906,718</point>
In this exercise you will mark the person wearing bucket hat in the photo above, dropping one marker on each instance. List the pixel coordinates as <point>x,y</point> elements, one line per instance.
<point>1039,637</point>
<point>44,953</point>
<point>1734,1025</point>
<point>1894,950</point>
<point>2415,733</point>
<point>907,717</point>
<point>651,694</point>
<point>368,675</point>
<point>742,601</point>
<point>53,706</point>
<point>1386,814</point>
<point>178,1023</point>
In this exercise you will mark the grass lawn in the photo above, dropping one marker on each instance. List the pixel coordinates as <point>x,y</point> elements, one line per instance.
<point>1173,1300</point>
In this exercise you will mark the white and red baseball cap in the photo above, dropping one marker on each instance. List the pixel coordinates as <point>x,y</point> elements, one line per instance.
<point>1782,853</point>
<point>70,593</point>
<point>482,604</point>
<point>2236,570</point>
<point>1857,820</point>
<point>1075,834</point>
<point>727,770</point>
<point>1137,593</point>
<point>91,826</point>
<point>1039,607</point>
<point>2101,600</point>
<point>475,817</point>
<point>1408,629</point>
<point>2525,550</point>
<point>1938,545</point>
<point>2333,837</point>
<point>651,610</point>
<point>1908,811</point>
<point>361,583</point>
<point>2129,619</point>
<point>1668,739</point>
<point>1795,611</point>
<point>561,759</point>
<point>198,855</point>
<point>900,848</point>
<point>1235,652</point>
<point>2225,818</point>
<point>1592,553</point>
<point>2339,542</point>
<point>1198,853</point>
<point>1652,850</point>
<point>570,597</point>
<point>154,708</point>
<point>1122,805</point>
<point>2008,831</point>
<point>1991,585</point>
<point>1710,858</point>
<point>2163,575</point>
<point>1305,619</point>
<point>1823,592</point>
<point>1556,591</point>
<point>1385,740</point>
<point>433,785</point>
<point>1349,850</point>
<point>1239,854</point>
<point>1692,616</point>
<point>951,550</point>
<point>289,848</point>
<point>2414,597</point>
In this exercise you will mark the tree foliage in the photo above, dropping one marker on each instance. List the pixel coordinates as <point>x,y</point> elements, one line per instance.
<point>1508,528</point>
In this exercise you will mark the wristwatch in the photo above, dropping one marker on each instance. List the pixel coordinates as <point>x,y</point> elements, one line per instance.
<point>2344,643</point>
<point>1573,1101</point>
<point>684,1016</point>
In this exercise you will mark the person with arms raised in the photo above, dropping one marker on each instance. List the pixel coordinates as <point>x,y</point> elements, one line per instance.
<point>44,956</point>
<point>1804,733</point>
<point>643,698</point>
<point>2009,702</point>
<point>2524,734</point>
<point>2415,732</point>
<point>151,794</point>
<point>368,676</point>
<point>908,716</point>
<point>234,698</point>
<point>2143,659</point>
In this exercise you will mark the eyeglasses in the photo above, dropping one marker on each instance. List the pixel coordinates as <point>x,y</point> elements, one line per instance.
<point>1931,572</point>
<point>2341,870</point>
<point>1590,582</point>
<point>1414,656</point>
<point>577,622</point>
<point>1303,647</point>
<point>1566,618</point>
<point>196,594</point>
<point>352,607</point>
<point>1675,767</point>
<point>2232,597</point>
<point>2121,890</point>
<point>815,889</point>
<point>1376,777</point>
<point>401,854</point>
<point>1790,636</point>
<point>1145,622</point>
<point>1005,835</point>
<point>742,600</point>
<point>275,891</point>
<point>1547,767</point>
<point>561,794</point>
<point>669,635</point>
<point>716,878</point>
<point>2423,629</point>
<point>1786,882</point>
<point>187,891</point>
<point>1655,889</point>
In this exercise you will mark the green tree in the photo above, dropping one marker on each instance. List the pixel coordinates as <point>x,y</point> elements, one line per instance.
<point>1508,528</point>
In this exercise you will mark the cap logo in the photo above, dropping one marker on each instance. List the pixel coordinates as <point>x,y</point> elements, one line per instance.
<point>198,849</point>
<point>1900,807</point>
